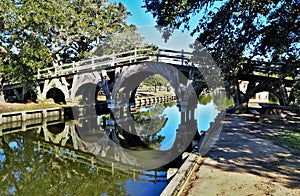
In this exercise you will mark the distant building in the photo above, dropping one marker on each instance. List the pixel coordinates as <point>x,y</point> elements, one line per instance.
<point>258,97</point>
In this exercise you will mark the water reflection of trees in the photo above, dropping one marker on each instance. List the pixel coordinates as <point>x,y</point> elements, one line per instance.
<point>133,145</point>
<point>65,159</point>
<point>220,99</point>
<point>149,124</point>
<point>27,170</point>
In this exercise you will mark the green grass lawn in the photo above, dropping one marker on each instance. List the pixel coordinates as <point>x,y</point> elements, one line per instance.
<point>14,107</point>
<point>287,137</point>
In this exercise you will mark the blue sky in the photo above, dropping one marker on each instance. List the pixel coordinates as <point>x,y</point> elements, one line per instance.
<point>145,22</point>
<point>138,16</point>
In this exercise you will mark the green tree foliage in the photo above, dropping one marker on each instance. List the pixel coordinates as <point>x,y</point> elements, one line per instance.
<point>205,99</point>
<point>124,40</point>
<point>35,34</point>
<point>241,35</point>
<point>154,81</point>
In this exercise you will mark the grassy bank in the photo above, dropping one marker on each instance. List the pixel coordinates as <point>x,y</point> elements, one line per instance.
<point>14,107</point>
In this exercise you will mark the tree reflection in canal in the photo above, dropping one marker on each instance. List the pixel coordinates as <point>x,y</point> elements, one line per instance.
<point>27,169</point>
<point>47,161</point>
<point>151,118</point>
<point>57,158</point>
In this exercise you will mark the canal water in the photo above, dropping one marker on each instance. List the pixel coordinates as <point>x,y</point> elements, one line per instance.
<point>59,157</point>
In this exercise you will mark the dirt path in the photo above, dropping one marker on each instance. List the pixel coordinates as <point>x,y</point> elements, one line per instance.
<point>242,163</point>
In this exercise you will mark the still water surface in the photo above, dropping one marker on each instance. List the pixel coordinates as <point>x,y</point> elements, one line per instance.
<point>54,159</point>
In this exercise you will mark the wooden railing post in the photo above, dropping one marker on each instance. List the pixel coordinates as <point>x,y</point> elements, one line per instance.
<point>73,66</point>
<point>38,74</point>
<point>182,56</point>
<point>113,58</point>
<point>93,62</point>
<point>135,54</point>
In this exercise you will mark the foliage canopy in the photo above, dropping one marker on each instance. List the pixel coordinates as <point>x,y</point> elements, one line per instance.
<point>243,35</point>
<point>122,41</point>
<point>34,34</point>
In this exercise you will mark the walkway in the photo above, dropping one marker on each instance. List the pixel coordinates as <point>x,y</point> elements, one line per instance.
<point>242,163</point>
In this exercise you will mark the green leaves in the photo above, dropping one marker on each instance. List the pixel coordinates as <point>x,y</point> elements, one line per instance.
<point>237,30</point>
<point>24,61</point>
<point>125,40</point>
<point>155,80</point>
<point>242,36</point>
<point>39,33</point>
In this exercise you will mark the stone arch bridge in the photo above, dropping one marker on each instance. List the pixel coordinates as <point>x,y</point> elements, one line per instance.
<point>81,81</point>
<point>282,89</point>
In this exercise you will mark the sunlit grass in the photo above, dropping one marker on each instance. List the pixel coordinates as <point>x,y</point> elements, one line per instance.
<point>272,75</point>
<point>287,137</point>
<point>15,107</point>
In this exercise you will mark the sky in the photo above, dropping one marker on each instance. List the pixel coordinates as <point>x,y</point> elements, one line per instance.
<point>145,23</point>
<point>138,17</point>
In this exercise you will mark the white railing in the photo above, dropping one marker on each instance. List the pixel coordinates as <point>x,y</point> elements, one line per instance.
<point>136,55</point>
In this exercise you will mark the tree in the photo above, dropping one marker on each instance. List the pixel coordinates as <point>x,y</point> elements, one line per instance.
<point>36,34</point>
<point>296,92</point>
<point>240,35</point>
<point>154,81</point>
<point>123,40</point>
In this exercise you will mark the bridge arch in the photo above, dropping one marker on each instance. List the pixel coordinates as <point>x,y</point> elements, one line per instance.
<point>30,96</point>
<point>132,77</point>
<point>86,93</point>
<point>56,128</point>
<point>59,86</point>
<point>275,88</point>
<point>86,87</point>
<point>57,95</point>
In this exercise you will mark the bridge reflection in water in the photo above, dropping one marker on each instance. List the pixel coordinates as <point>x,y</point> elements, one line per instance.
<point>60,157</point>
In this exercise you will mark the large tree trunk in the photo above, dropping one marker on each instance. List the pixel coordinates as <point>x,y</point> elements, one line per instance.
<point>284,95</point>
<point>3,53</point>
<point>233,88</point>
